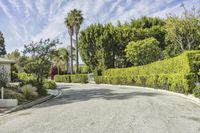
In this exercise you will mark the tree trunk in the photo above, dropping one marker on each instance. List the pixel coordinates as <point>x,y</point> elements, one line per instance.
<point>71,54</point>
<point>77,63</point>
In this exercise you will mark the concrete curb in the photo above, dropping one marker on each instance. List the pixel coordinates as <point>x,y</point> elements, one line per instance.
<point>190,97</point>
<point>33,103</point>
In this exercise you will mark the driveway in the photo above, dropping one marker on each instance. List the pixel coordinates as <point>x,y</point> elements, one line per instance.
<point>90,108</point>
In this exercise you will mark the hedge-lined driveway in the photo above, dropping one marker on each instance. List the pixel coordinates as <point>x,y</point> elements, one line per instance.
<point>90,108</point>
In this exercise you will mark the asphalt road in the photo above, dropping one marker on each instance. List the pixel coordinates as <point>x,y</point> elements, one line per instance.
<point>107,109</point>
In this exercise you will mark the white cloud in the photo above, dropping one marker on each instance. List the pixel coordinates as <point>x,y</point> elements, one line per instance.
<point>32,20</point>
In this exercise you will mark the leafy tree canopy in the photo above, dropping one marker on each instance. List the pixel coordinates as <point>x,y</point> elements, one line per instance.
<point>2,45</point>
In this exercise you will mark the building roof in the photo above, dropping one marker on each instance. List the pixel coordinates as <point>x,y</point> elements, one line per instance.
<point>4,60</point>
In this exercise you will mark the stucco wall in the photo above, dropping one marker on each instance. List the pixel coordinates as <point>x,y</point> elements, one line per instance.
<point>8,68</point>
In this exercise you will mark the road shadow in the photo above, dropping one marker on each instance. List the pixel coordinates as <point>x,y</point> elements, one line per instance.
<point>72,96</point>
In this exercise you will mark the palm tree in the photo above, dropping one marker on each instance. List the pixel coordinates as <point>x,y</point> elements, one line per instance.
<point>78,20</point>
<point>60,58</point>
<point>69,24</point>
<point>75,18</point>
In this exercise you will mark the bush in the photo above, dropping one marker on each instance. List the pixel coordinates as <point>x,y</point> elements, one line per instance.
<point>75,78</point>
<point>84,69</point>
<point>174,82</point>
<point>79,78</point>
<point>143,52</point>
<point>11,94</point>
<point>177,74</point>
<point>196,91</point>
<point>182,64</point>
<point>29,92</point>
<point>26,77</point>
<point>49,84</point>
<point>62,78</point>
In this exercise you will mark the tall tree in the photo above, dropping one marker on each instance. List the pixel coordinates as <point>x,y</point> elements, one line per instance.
<point>69,24</point>
<point>182,33</point>
<point>38,61</point>
<point>2,45</point>
<point>76,19</point>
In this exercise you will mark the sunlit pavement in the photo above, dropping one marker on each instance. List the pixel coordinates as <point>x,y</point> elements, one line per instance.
<point>90,108</point>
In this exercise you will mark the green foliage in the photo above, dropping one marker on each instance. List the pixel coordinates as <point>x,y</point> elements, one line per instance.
<point>79,78</point>
<point>182,33</point>
<point>14,72</point>
<point>62,78</point>
<point>84,69</point>
<point>47,84</point>
<point>196,91</point>
<point>177,74</point>
<point>29,92</point>
<point>183,63</point>
<point>25,76</point>
<point>2,45</point>
<point>147,22</point>
<point>181,83</point>
<point>30,79</point>
<point>97,46</point>
<point>38,62</point>
<point>75,78</point>
<point>102,46</point>
<point>60,58</point>
<point>143,52</point>
<point>13,94</point>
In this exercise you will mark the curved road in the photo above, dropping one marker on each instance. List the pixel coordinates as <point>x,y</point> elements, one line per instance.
<point>89,108</point>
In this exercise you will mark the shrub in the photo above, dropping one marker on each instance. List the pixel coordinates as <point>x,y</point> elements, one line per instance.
<point>26,77</point>
<point>183,63</point>
<point>196,91</point>
<point>177,74</point>
<point>11,94</point>
<point>49,84</point>
<point>75,78</point>
<point>79,78</point>
<point>181,83</point>
<point>84,69</point>
<point>143,52</point>
<point>29,92</point>
<point>62,78</point>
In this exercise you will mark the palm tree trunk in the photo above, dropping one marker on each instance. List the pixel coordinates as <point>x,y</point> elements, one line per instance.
<point>71,54</point>
<point>77,63</point>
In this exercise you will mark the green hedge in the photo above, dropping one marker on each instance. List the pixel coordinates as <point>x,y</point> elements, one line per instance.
<point>177,74</point>
<point>75,78</point>
<point>183,63</point>
<point>174,82</point>
<point>79,78</point>
<point>84,69</point>
<point>62,78</point>
<point>196,91</point>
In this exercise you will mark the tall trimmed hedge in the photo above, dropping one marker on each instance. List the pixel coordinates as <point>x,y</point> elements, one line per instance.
<point>177,74</point>
<point>183,63</point>
<point>181,83</point>
<point>62,78</point>
<point>75,78</point>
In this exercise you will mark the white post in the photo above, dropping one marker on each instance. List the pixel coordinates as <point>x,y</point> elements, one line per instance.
<point>2,92</point>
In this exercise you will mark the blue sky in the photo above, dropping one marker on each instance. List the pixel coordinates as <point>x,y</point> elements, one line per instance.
<point>22,21</point>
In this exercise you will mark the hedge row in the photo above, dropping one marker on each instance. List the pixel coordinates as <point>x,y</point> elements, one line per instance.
<point>76,78</point>
<point>174,82</point>
<point>180,64</point>
<point>177,74</point>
